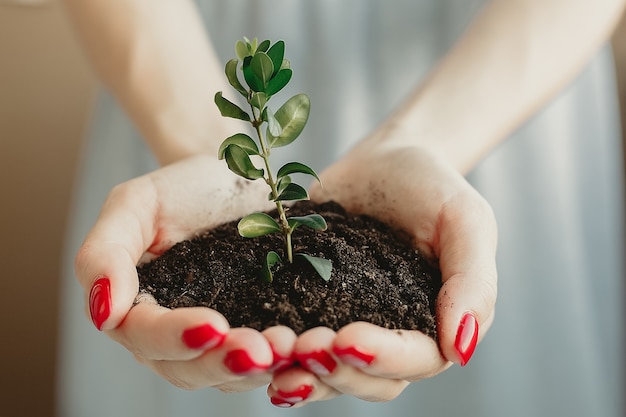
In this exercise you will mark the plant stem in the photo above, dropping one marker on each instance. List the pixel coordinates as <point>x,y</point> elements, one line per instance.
<point>265,154</point>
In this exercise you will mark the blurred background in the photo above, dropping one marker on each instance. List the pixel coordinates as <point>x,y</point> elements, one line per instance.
<point>46,90</point>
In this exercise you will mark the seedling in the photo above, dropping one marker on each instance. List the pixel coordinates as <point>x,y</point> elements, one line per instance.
<point>265,73</point>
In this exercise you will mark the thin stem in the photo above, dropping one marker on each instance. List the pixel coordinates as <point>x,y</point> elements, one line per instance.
<point>265,154</point>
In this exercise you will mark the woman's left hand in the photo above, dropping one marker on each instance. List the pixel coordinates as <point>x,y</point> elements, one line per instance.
<point>416,191</point>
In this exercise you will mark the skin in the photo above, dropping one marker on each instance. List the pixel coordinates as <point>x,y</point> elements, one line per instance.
<point>499,74</point>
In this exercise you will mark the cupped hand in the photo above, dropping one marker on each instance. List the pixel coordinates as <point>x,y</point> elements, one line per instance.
<point>190,347</point>
<point>417,191</point>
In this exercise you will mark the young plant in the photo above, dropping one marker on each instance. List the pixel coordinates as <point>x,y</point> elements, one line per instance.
<point>265,73</point>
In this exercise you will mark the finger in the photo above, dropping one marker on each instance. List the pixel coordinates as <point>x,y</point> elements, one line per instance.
<point>105,263</point>
<point>282,341</point>
<point>467,250</point>
<point>297,387</point>
<point>313,351</point>
<point>385,353</point>
<point>239,364</point>
<point>157,333</point>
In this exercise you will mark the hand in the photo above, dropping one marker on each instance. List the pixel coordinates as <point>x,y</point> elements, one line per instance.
<point>417,191</point>
<point>190,347</point>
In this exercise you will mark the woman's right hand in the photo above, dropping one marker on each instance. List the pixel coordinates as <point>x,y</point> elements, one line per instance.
<point>190,347</point>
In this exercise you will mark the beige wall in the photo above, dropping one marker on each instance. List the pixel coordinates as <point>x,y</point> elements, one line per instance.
<point>45,93</point>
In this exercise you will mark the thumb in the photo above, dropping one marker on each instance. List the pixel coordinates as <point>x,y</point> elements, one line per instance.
<point>106,263</point>
<point>467,249</point>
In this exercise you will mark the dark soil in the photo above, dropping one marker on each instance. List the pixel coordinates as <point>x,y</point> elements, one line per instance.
<point>377,276</point>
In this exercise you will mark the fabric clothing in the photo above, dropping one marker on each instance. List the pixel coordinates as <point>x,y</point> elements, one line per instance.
<point>556,186</point>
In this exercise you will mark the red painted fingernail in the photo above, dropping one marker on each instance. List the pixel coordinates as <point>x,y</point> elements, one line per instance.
<point>279,402</point>
<point>240,363</point>
<point>203,337</point>
<point>354,356</point>
<point>319,362</point>
<point>280,362</point>
<point>100,301</point>
<point>298,395</point>
<point>466,338</point>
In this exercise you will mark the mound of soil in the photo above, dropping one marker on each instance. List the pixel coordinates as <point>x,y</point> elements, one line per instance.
<point>377,277</point>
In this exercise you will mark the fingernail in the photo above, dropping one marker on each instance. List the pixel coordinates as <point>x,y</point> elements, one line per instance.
<point>240,363</point>
<point>203,337</point>
<point>280,362</point>
<point>354,356</point>
<point>319,362</point>
<point>279,402</point>
<point>466,338</point>
<point>100,301</point>
<point>298,395</point>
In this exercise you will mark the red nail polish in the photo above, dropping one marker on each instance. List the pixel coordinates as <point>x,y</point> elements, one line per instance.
<point>280,362</point>
<point>279,402</point>
<point>203,337</point>
<point>319,362</point>
<point>466,338</point>
<point>354,356</point>
<point>240,363</point>
<point>100,301</point>
<point>298,395</point>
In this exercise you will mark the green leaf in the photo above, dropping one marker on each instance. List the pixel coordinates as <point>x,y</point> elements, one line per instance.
<point>258,100</point>
<point>271,259</point>
<point>314,221</point>
<point>230,109</point>
<point>283,182</point>
<point>262,67</point>
<point>231,74</point>
<point>257,224</point>
<point>252,46</point>
<point>249,75</point>
<point>280,80</point>
<point>273,127</point>
<point>293,192</point>
<point>285,65</point>
<point>241,49</point>
<point>239,162</point>
<point>263,46</point>
<point>292,116</point>
<point>242,140</point>
<point>233,79</point>
<point>296,167</point>
<point>322,266</point>
<point>276,54</point>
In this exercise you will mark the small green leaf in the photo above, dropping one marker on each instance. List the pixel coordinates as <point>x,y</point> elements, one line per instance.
<point>280,80</point>
<point>230,109</point>
<point>231,74</point>
<point>241,49</point>
<point>322,266</point>
<point>258,100</point>
<point>292,116</point>
<point>252,46</point>
<point>293,192</point>
<point>281,185</point>
<point>285,65</point>
<point>264,46</point>
<point>242,140</point>
<point>283,182</point>
<point>249,75</point>
<point>239,162</point>
<point>296,167</point>
<point>276,54</point>
<point>262,67</point>
<point>257,224</point>
<point>271,259</point>
<point>314,221</point>
<point>273,127</point>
